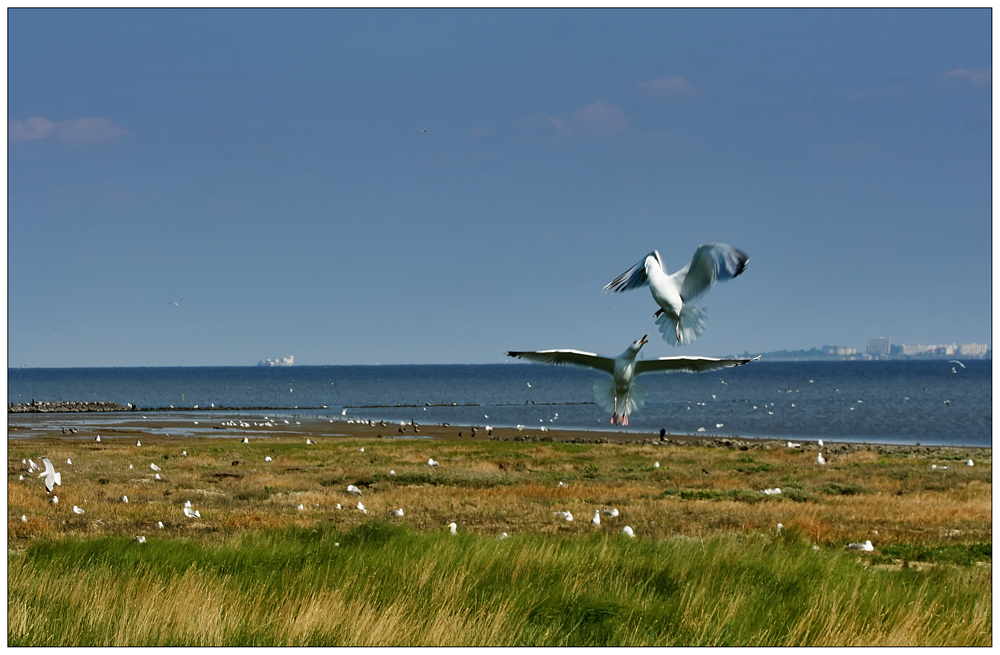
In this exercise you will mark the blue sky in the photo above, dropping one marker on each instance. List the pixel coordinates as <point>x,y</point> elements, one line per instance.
<point>270,169</point>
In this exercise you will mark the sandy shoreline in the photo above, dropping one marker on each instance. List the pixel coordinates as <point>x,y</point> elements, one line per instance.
<point>150,428</point>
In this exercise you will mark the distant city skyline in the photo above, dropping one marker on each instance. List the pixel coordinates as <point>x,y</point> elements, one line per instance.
<point>415,186</point>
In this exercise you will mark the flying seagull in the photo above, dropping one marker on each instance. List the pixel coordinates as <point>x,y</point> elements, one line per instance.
<point>619,395</point>
<point>679,322</point>
<point>175,303</point>
<point>51,477</point>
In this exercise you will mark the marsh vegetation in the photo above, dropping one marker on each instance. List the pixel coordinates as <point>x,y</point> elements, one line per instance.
<point>708,565</point>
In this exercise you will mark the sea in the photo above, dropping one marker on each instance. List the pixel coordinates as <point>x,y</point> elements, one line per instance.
<point>930,402</point>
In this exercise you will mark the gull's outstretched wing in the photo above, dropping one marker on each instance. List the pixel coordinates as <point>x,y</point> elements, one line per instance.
<point>712,262</point>
<point>634,277</point>
<point>568,357</point>
<point>687,364</point>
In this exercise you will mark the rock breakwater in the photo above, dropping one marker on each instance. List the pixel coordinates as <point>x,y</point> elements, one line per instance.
<point>38,406</point>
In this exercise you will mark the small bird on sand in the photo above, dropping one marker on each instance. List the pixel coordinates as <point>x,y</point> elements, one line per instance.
<point>867,546</point>
<point>679,322</point>
<point>78,510</point>
<point>432,462</point>
<point>627,531</point>
<point>155,467</point>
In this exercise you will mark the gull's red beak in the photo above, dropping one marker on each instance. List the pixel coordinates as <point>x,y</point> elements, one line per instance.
<point>643,341</point>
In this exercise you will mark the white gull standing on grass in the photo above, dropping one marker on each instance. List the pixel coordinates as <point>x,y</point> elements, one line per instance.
<point>867,546</point>
<point>620,395</point>
<point>679,322</point>
<point>627,531</point>
<point>596,521</point>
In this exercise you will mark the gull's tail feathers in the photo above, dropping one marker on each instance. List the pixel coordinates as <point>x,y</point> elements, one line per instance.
<point>608,399</point>
<point>693,321</point>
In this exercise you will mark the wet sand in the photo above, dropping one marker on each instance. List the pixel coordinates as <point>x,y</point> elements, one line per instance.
<point>155,427</point>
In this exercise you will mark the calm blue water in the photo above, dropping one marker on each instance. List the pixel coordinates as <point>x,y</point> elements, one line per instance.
<point>884,402</point>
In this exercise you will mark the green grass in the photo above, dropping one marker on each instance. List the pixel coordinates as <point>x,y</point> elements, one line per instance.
<point>708,566</point>
<point>466,590</point>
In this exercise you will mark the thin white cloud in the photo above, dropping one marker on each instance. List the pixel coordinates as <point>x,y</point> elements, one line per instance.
<point>79,131</point>
<point>668,87</point>
<point>600,120</point>
<point>981,77</point>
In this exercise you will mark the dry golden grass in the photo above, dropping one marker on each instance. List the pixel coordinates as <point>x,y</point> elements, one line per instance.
<point>488,487</point>
<point>492,486</point>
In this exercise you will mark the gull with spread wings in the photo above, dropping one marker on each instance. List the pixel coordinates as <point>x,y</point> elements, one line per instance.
<point>679,322</point>
<point>620,395</point>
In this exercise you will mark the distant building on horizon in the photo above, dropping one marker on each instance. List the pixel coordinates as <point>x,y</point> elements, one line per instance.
<point>880,346</point>
<point>921,349</point>
<point>973,349</point>
<point>839,350</point>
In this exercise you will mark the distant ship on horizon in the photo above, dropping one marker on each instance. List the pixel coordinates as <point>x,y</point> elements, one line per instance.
<point>286,361</point>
